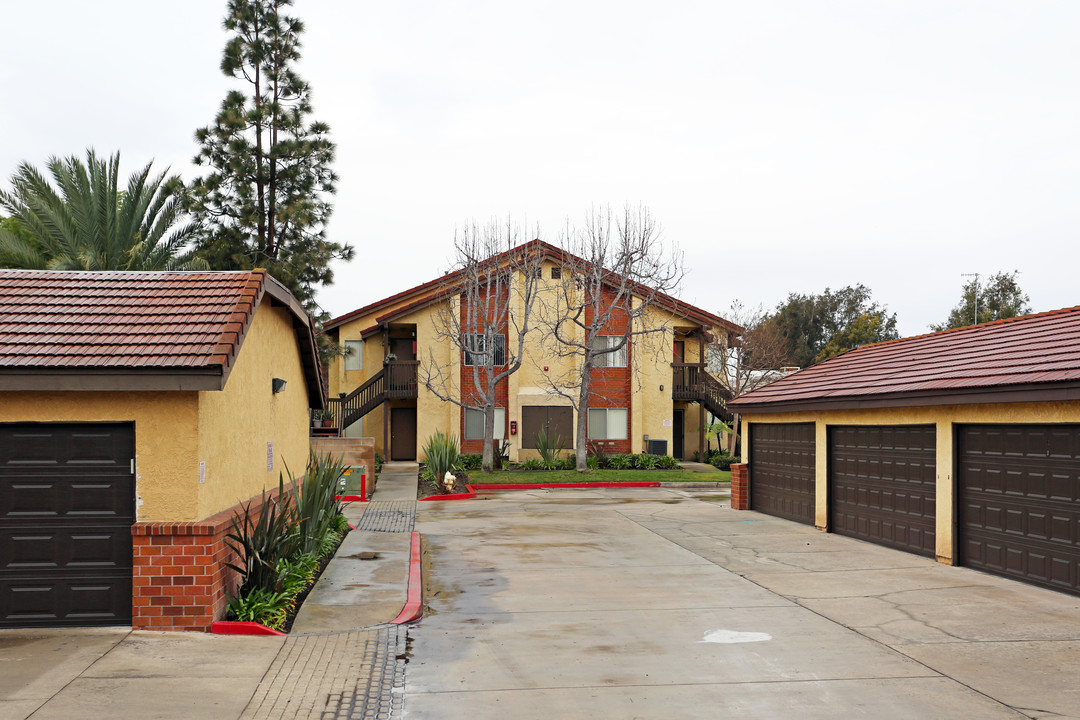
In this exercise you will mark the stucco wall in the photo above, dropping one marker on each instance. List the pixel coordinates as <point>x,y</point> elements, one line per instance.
<point>166,439</point>
<point>235,424</point>
<point>943,417</point>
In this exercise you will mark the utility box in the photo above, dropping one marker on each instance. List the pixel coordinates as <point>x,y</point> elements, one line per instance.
<point>657,447</point>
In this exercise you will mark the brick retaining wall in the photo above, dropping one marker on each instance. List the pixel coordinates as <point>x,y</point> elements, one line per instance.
<point>740,490</point>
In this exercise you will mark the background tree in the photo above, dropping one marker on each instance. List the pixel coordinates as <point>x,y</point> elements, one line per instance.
<point>484,319</point>
<point>604,305</point>
<point>266,200</point>
<point>999,297</point>
<point>83,220</point>
<point>752,362</point>
<point>817,327</point>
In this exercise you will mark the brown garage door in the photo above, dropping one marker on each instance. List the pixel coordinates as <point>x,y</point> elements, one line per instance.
<point>67,503</point>
<point>1019,502</point>
<point>782,460</point>
<point>883,485</point>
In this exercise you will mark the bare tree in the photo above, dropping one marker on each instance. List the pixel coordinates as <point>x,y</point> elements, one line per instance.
<point>614,273</point>
<point>484,313</point>
<point>752,361</point>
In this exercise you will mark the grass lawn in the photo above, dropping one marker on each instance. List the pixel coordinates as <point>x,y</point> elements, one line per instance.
<point>572,476</point>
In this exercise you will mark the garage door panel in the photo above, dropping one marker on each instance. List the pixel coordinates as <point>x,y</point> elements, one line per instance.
<point>883,485</point>
<point>782,470</point>
<point>67,503</point>
<point>1019,502</point>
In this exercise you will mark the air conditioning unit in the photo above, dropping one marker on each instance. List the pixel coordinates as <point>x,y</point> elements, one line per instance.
<point>657,447</point>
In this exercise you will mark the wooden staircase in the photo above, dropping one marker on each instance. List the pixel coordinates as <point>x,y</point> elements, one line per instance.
<point>690,381</point>
<point>396,380</point>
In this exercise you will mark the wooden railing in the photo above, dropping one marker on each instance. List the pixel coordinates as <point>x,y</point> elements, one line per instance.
<point>397,380</point>
<point>690,381</point>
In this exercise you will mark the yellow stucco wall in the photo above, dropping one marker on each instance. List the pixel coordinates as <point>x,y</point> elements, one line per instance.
<point>235,424</point>
<point>166,438</point>
<point>943,418</point>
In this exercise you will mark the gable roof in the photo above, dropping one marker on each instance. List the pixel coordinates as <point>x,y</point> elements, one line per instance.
<point>136,330</point>
<point>437,289</point>
<point>1033,357</point>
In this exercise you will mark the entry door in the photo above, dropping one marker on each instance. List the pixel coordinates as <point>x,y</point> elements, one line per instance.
<point>402,433</point>
<point>678,449</point>
<point>67,503</point>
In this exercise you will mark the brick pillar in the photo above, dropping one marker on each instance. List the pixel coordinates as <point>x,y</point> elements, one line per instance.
<point>740,489</point>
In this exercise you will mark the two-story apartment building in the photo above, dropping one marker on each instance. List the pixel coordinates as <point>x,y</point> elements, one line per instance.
<point>640,394</point>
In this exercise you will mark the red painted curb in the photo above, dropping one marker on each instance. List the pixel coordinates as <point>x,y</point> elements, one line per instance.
<point>457,496</point>
<point>414,605</point>
<point>349,498</point>
<point>542,486</point>
<point>232,627</point>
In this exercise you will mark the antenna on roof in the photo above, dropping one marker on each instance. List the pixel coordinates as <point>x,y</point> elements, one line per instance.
<point>975,295</point>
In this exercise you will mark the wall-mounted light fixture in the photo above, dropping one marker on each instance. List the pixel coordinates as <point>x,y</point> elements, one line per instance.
<point>278,385</point>
<point>661,388</point>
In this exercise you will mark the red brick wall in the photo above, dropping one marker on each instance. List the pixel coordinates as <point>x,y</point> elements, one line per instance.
<point>468,386</point>
<point>609,387</point>
<point>180,579</point>
<point>740,490</point>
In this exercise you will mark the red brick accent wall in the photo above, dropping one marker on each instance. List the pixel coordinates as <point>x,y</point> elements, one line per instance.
<point>180,579</point>
<point>468,385</point>
<point>609,387</point>
<point>740,490</point>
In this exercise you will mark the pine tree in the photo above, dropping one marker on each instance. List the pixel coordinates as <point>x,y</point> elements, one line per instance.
<point>267,198</point>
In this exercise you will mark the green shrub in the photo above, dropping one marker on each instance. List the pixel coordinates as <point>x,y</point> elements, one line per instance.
<point>549,448</point>
<point>645,461</point>
<point>620,462</point>
<point>531,464</point>
<point>297,574</point>
<point>598,451</point>
<point>666,462</point>
<point>593,463</point>
<point>441,454</point>
<point>722,461</point>
<point>378,463</point>
<point>261,606</point>
<point>470,462</point>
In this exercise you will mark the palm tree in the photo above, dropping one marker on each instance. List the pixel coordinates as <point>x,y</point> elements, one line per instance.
<point>86,222</point>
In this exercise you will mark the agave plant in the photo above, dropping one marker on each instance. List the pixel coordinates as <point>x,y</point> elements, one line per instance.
<point>549,448</point>
<point>314,501</point>
<point>441,454</point>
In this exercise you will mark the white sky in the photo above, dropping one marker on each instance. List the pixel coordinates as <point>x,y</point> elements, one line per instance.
<point>784,146</point>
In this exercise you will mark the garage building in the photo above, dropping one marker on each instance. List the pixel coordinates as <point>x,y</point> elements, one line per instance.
<point>962,445</point>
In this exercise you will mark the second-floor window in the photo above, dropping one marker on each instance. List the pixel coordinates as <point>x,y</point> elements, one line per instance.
<point>616,358</point>
<point>354,354</point>
<point>476,352</point>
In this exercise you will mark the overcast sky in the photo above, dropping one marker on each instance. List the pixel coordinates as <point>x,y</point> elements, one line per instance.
<point>784,146</point>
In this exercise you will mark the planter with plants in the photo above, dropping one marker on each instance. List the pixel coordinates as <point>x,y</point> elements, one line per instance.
<point>442,472</point>
<point>324,418</point>
<point>283,546</point>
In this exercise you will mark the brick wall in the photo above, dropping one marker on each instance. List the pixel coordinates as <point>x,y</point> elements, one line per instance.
<point>467,381</point>
<point>180,579</point>
<point>609,387</point>
<point>740,490</point>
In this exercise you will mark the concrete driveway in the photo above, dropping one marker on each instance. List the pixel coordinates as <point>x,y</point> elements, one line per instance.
<point>667,604</point>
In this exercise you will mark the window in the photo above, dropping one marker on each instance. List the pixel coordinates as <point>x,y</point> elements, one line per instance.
<point>556,273</point>
<point>538,273</point>
<point>557,420</point>
<point>354,354</point>
<point>474,424</point>
<point>607,424</point>
<point>476,354</point>
<point>611,359</point>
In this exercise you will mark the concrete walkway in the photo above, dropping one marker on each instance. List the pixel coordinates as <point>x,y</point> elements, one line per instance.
<point>667,604</point>
<point>341,659</point>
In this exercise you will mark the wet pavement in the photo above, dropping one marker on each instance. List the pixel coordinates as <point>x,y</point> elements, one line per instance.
<point>667,604</point>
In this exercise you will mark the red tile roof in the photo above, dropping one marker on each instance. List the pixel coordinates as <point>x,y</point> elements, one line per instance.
<point>973,362</point>
<point>149,322</point>
<point>434,289</point>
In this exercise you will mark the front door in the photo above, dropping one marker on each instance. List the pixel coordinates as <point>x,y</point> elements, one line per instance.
<point>677,449</point>
<point>403,348</point>
<point>403,433</point>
